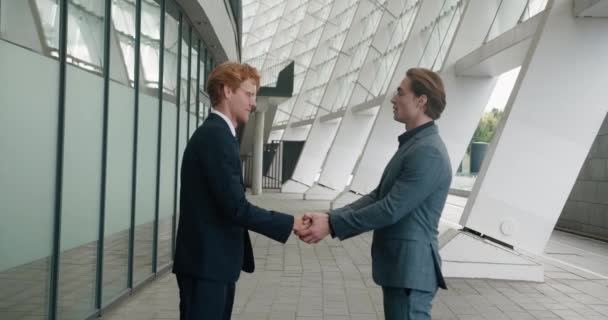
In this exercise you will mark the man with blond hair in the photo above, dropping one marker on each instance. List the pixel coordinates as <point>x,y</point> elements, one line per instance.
<point>213,244</point>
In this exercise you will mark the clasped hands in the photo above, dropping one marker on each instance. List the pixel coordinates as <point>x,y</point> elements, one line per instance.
<point>312,227</point>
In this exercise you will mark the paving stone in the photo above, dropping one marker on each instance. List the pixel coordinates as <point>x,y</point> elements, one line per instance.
<point>332,281</point>
<point>569,315</point>
<point>519,315</point>
<point>543,314</point>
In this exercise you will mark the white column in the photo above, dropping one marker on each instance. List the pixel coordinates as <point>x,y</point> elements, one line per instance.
<point>258,153</point>
<point>552,117</point>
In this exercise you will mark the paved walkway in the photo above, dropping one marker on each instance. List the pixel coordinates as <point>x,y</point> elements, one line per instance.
<point>332,281</point>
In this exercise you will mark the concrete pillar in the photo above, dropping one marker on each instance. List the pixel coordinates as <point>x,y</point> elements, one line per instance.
<point>258,153</point>
<point>546,132</point>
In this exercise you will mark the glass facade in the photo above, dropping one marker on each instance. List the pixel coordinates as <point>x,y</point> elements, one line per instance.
<point>100,98</point>
<point>26,233</point>
<point>83,124</point>
<point>345,52</point>
<point>510,13</point>
<point>336,46</point>
<point>271,40</point>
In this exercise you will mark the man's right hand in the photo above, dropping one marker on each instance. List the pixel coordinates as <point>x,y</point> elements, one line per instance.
<point>319,228</point>
<point>301,223</point>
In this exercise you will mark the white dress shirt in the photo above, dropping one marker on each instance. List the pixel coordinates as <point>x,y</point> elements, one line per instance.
<point>227,121</point>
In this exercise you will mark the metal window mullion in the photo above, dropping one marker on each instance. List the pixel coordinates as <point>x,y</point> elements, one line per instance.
<point>523,13</point>
<point>161,55</point>
<point>430,35</point>
<point>178,99</point>
<point>135,140</point>
<point>188,85</point>
<point>442,41</point>
<point>198,82</point>
<point>104,154</point>
<point>206,62</point>
<point>54,270</point>
<point>207,108</point>
<point>487,37</point>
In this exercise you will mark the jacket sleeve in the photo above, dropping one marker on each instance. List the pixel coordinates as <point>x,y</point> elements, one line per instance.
<point>364,201</point>
<point>417,179</point>
<point>221,168</point>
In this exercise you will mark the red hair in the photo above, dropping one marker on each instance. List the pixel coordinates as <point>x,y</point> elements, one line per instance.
<point>229,74</point>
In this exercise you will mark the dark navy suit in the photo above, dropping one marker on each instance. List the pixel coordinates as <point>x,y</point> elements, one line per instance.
<point>213,244</point>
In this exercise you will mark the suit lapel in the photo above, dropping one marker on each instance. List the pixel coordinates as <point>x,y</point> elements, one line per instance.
<point>217,119</point>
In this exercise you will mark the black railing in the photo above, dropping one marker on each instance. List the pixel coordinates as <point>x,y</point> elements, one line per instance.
<point>272,166</point>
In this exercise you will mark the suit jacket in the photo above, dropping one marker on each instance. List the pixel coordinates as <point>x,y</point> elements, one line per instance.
<point>212,238</point>
<point>404,211</point>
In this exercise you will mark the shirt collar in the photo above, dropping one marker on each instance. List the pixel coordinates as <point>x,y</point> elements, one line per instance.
<point>223,116</point>
<point>404,137</point>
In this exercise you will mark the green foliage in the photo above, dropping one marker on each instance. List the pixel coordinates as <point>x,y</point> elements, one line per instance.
<point>487,126</point>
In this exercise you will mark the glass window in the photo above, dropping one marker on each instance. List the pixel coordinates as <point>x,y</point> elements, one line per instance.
<point>123,19</point>
<point>20,23</point>
<point>29,47</point>
<point>169,134</point>
<point>147,142</point>
<point>82,155</point>
<point>48,12</point>
<point>184,77</point>
<point>194,64</point>
<point>203,67</point>
<point>26,230</point>
<point>119,170</point>
<point>182,115</point>
<point>85,33</point>
<point>171,46</point>
<point>150,42</point>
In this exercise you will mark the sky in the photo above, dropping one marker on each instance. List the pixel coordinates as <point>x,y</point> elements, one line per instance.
<point>502,91</point>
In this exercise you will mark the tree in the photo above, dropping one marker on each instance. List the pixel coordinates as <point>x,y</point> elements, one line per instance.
<point>487,126</point>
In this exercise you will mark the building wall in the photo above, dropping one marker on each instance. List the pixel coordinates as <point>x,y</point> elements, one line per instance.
<point>89,189</point>
<point>586,210</point>
<point>223,24</point>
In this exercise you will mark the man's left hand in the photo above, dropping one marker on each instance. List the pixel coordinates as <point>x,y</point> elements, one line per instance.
<point>319,228</point>
<point>300,223</point>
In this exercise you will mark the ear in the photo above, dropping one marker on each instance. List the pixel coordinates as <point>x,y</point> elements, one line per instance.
<point>227,91</point>
<point>423,99</point>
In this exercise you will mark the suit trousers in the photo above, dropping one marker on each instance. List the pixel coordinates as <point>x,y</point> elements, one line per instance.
<point>204,299</point>
<point>407,304</point>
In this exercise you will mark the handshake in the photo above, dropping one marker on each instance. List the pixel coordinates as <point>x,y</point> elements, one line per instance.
<point>312,227</point>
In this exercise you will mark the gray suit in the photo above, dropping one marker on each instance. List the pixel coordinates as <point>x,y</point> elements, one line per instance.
<point>404,211</point>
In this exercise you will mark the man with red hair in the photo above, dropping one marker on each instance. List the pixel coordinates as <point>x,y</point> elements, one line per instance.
<point>213,244</point>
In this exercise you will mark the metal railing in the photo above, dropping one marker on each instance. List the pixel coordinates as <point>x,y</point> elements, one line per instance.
<point>272,166</point>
